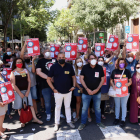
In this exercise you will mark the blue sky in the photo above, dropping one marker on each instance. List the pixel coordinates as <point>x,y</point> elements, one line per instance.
<point>59,4</point>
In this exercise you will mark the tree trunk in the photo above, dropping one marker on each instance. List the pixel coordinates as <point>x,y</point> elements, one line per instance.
<point>5,37</point>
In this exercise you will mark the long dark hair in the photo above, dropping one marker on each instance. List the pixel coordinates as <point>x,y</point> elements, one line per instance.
<point>14,63</point>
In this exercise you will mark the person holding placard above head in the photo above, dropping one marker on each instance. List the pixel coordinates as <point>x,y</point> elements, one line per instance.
<point>21,83</point>
<point>105,87</point>
<point>64,83</point>
<point>42,69</point>
<point>120,99</point>
<point>135,96</point>
<point>30,66</point>
<point>92,79</point>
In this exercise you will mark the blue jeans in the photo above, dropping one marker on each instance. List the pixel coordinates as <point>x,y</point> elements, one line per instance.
<point>121,101</point>
<point>47,95</point>
<point>33,91</point>
<point>9,108</point>
<point>96,103</point>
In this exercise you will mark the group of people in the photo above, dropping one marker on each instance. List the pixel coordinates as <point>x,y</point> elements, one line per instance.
<point>82,78</point>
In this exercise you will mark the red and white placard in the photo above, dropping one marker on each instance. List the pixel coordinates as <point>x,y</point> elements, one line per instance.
<point>33,47</point>
<point>70,51</point>
<point>113,43</point>
<point>6,73</point>
<point>121,88</point>
<point>54,50</point>
<point>132,42</point>
<point>7,92</point>
<point>82,44</point>
<point>99,49</point>
<point>105,81</point>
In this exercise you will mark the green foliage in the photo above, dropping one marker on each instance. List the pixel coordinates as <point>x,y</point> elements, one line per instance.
<point>103,14</point>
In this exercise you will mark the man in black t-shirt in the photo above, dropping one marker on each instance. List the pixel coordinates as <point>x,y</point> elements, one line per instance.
<point>42,69</point>
<point>92,79</point>
<point>63,75</point>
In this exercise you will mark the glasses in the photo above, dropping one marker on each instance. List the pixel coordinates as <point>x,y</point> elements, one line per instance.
<point>137,67</point>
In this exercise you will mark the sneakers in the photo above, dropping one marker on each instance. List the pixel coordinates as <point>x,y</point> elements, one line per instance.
<point>62,116</point>
<point>81,126</point>
<point>56,127</point>
<point>74,115</point>
<point>116,122</point>
<point>101,125</point>
<point>122,124</point>
<point>89,119</point>
<point>111,111</point>
<point>48,117</point>
<point>71,125</point>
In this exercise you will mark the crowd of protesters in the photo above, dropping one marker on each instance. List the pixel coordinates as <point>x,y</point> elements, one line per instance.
<point>79,83</point>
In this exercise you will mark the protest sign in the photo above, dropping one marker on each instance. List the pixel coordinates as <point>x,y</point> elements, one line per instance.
<point>6,73</point>
<point>99,49</point>
<point>54,50</point>
<point>82,44</point>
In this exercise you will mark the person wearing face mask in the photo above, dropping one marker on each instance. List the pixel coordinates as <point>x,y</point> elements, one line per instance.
<point>21,83</point>
<point>64,83</point>
<point>104,88</point>
<point>30,66</point>
<point>134,101</point>
<point>7,56</point>
<point>79,88</point>
<point>92,79</point>
<point>121,101</point>
<point>42,69</point>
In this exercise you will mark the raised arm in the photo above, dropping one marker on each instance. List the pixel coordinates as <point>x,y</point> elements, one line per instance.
<point>23,50</point>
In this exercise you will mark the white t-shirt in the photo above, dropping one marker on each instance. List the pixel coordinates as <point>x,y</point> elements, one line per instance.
<point>78,77</point>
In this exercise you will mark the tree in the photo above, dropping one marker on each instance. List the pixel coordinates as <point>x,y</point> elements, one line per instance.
<point>103,14</point>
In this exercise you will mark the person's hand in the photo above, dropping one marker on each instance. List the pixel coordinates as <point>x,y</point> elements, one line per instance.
<point>55,91</point>
<point>34,57</point>
<point>2,104</point>
<point>94,91</point>
<point>27,94</point>
<point>125,40</point>
<point>72,89</point>
<point>115,53</point>
<point>114,87</point>
<point>22,96</point>
<point>81,90</point>
<point>127,84</point>
<point>89,91</point>
<point>52,80</point>
<point>25,44</point>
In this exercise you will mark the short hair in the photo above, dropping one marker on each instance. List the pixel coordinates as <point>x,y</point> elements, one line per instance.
<point>92,55</point>
<point>119,59</point>
<point>60,53</point>
<point>101,57</point>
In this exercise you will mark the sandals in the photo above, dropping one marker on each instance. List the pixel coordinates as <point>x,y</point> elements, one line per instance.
<point>42,109</point>
<point>103,117</point>
<point>37,121</point>
<point>22,125</point>
<point>3,136</point>
<point>10,117</point>
<point>7,130</point>
<point>38,116</point>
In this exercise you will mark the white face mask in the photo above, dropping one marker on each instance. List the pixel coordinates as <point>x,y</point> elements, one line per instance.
<point>79,64</point>
<point>130,59</point>
<point>138,70</point>
<point>93,62</point>
<point>100,63</point>
<point>47,54</point>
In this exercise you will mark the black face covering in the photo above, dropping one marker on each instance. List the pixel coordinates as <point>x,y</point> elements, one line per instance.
<point>27,61</point>
<point>107,56</point>
<point>61,61</point>
<point>82,53</point>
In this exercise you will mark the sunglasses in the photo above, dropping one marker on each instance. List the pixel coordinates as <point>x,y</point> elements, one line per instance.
<point>137,67</point>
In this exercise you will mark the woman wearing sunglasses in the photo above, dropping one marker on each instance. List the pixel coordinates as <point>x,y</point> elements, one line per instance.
<point>134,96</point>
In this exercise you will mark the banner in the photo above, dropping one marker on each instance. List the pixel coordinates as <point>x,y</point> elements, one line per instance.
<point>54,50</point>
<point>33,47</point>
<point>105,82</point>
<point>82,44</point>
<point>99,49</point>
<point>113,43</point>
<point>6,73</point>
<point>70,51</point>
<point>121,88</point>
<point>7,93</point>
<point>132,42</point>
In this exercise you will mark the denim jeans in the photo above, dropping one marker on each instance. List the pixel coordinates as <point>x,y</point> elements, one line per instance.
<point>47,95</point>
<point>96,103</point>
<point>121,101</point>
<point>9,108</point>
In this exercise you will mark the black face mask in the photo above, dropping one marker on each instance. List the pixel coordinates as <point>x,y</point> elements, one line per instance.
<point>27,60</point>
<point>82,53</point>
<point>107,56</point>
<point>61,61</point>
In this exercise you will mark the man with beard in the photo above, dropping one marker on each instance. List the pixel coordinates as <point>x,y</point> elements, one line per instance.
<point>42,68</point>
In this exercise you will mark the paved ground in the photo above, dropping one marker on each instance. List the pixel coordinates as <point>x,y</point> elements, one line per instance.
<point>45,131</point>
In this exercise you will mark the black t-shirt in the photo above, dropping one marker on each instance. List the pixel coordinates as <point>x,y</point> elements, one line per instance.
<point>92,77</point>
<point>62,77</point>
<point>7,58</point>
<point>45,65</point>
